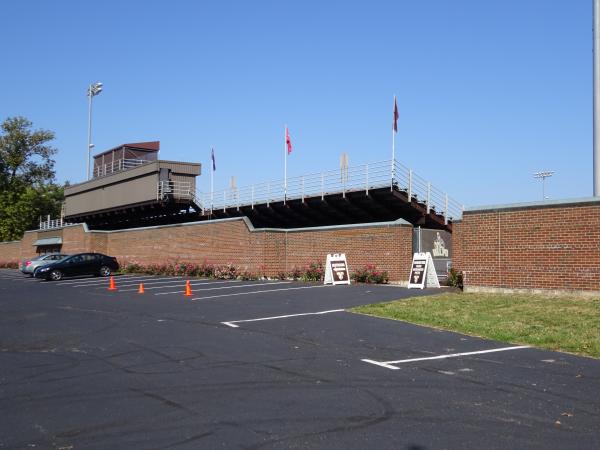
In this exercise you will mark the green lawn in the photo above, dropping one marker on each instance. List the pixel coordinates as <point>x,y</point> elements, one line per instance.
<point>570,324</point>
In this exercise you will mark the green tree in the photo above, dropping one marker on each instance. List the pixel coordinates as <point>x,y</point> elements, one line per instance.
<point>27,187</point>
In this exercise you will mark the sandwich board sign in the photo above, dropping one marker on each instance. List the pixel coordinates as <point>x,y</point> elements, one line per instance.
<point>422,272</point>
<point>336,269</point>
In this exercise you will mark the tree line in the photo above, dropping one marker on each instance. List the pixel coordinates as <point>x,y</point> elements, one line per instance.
<point>28,188</point>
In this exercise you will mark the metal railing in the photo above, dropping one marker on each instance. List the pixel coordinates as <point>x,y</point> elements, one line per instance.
<point>117,166</point>
<point>353,179</point>
<point>180,190</point>
<point>49,223</point>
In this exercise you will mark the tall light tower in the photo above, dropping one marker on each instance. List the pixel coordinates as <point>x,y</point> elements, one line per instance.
<point>543,175</point>
<point>596,120</point>
<point>93,90</point>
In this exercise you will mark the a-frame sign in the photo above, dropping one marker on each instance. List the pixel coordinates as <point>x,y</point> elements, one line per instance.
<point>422,272</point>
<point>336,269</point>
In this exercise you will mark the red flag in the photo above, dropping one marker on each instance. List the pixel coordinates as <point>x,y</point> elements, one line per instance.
<point>396,115</point>
<point>288,141</point>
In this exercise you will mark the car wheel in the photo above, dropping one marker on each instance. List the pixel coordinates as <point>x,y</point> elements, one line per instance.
<point>56,275</point>
<point>105,271</point>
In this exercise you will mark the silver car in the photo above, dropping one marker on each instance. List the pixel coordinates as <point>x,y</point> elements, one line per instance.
<point>29,265</point>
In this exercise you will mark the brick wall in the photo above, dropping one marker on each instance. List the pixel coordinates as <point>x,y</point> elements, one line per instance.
<point>10,251</point>
<point>235,241</point>
<point>269,251</point>
<point>530,246</point>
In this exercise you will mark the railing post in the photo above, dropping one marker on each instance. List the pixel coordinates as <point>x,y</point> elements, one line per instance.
<point>302,181</point>
<point>428,197</point>
<point>322,186</point>
<point>252,196</point>
<point>367,180</point>
<point>224,200</point>
<point>446,210</point>
<point>410,177</point>
<point>268,193</point>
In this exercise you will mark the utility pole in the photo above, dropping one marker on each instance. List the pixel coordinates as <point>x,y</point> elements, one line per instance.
<point>596,119</point>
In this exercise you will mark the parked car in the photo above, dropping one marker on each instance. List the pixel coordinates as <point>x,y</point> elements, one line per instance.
<point>29,265</point>
<point>80,264</point>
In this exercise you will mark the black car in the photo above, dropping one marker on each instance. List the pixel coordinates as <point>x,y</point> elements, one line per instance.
<point>79,264</point>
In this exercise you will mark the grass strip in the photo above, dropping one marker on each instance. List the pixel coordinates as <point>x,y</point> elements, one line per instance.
<point>569,324</point>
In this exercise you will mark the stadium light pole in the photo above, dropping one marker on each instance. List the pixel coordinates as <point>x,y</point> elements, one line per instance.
<point>596,76</point>
<point>93,90</point>
<point>543,175</point>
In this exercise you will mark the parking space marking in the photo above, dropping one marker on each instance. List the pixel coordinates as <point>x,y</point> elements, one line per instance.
<point>181,282</point>
<point>232,323</point>
<point>152,281</point>
<point>390,364</point>
<point>257,292</point>
<point>226,287</point>
<point>82,282</point>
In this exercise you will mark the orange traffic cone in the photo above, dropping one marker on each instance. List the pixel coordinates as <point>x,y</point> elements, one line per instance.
<point>141,289</point>
<point>111,284</point>
<point>188,289</point>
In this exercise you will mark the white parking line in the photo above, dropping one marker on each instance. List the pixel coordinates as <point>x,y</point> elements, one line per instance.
<point>232,323</point>
<point>154,280</point>
<point>226,287</point>
<point>81,282</point>
<point>181,282</point>
<point>257,292</point>
<point>388,364</point>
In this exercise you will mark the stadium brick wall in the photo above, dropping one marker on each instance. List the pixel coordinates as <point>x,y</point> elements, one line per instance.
<point>10,251</point>
<point>268,251</point>
<point>541,246</point>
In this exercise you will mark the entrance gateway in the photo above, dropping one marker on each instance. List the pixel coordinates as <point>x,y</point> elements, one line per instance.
<point>439,244</point>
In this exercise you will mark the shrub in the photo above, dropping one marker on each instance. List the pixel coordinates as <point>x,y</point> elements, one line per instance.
<point>247,276</point>
<point>455,278</point>
<point>131,267</point>
<point>225,272</point>
<point>296,273</point>
<point>314,272</point>
<point>9,265</point>
<point>370,274</point>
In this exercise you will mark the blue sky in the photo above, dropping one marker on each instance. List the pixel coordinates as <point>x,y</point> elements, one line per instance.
<point>488,92</point>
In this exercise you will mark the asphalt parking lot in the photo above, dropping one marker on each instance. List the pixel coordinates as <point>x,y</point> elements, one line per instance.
<point>268,365</point>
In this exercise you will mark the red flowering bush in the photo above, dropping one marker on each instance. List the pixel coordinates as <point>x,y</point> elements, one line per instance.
<point>314,272</point>
<point>9,265</point>
<point>370,274</point>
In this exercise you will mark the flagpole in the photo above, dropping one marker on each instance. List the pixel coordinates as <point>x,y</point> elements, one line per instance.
<point>285,153</point>
<point>212,178</point>
<point>393,146</point>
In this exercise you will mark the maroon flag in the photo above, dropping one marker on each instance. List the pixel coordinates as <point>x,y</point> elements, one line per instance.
<point>288,141</point>
<point>396,115</point>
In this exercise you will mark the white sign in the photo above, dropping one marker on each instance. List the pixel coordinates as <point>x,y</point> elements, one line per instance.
<point>422,272</point>
<point>336,269</point>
